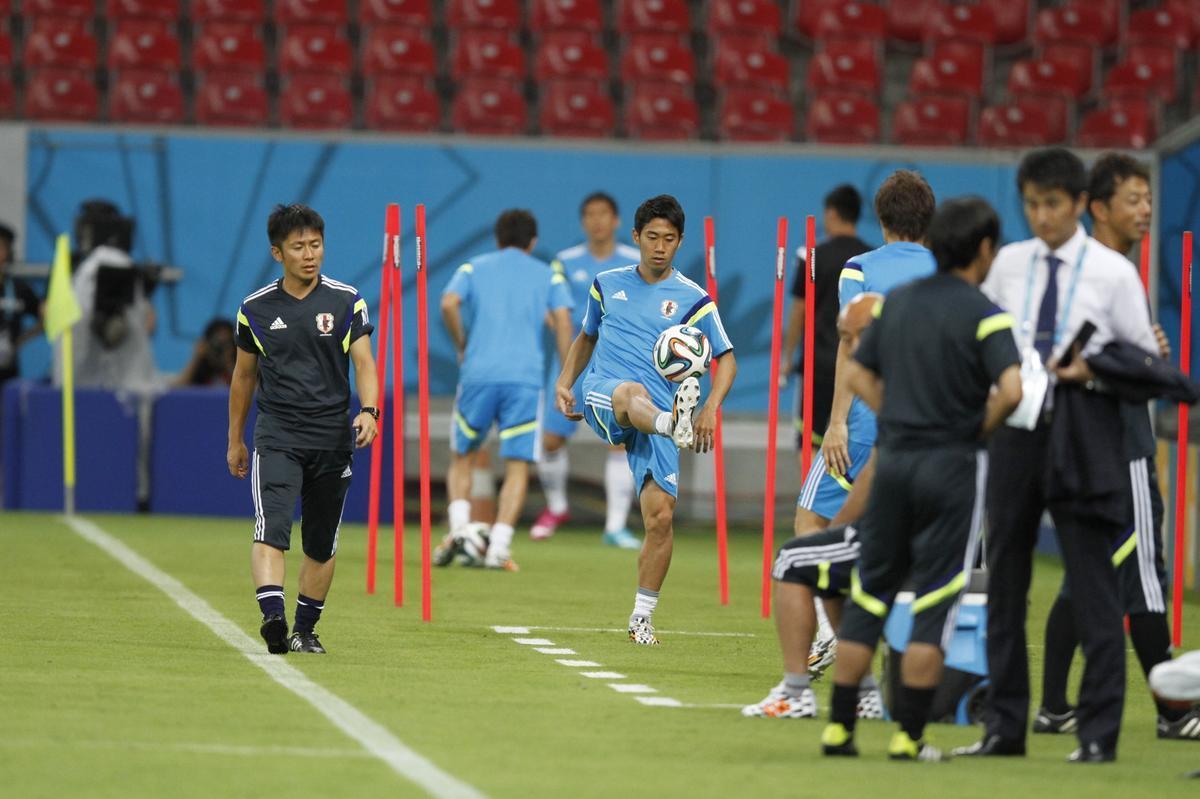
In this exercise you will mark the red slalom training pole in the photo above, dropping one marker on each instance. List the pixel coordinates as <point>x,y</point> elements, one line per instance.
<point>710,274</point>
<point>1181,445</point>
<point>1145,262</point>
<point>773,418</point>
<point>397,419</point>
<point>423,410</point>
<point>391,225</point>
<point>810,328</point>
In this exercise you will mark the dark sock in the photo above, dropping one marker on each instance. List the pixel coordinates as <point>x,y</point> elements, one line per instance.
<point>270,600</point>
<point>1061,643</point>
<point>844,709</point>
<point>1152,642</point>
<point>912,710</point>
<point>308,613</point>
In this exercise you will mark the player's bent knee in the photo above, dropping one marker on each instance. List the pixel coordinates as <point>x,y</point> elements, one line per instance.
<point>321,553</point>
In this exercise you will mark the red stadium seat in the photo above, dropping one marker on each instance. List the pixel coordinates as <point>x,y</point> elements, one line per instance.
<point>932,122</point>
<point>1124,126</point>
<point>740,62</point>
<point>571,57</point>
<point>316,101</point>
<point>567,15</point>
<point>840,118</point>
<point>79,9</point>
<point>61,95</point>
<point>232,98</point>
<point>1187,8</point>
<point>8,97</point>
<point>661,111</point>
<point>395,50</point>
<point>753,115</point>
<point>494,107</point>
<point>163,10</point>
<point>1142,78</point>
<point>402,104</point>
<point>249,11</point>
<point>144,44</point>
<point>304,12</point>
<point>843,68</point>
<point>315,48</point>
<point>1081,24</point>
<point>6,51</point>
<point>852,20</point>
<point>63,43</point>
<point>654,16</point>
<point>1164,26</point>
<point>416,13</point>
<point>1075,57</point>
<point>1012,20</point>
<point>146,97</point>
<point>954,68</point>
<point>1046,77</point>
<point>956,22</point>
<point>907,19</point>
<point>229,46</point>
<point>502,14</point>
<point>1030,122</point>
<point>487,54</point>
<point>653,59</point>
<point>808,12</point>
<point>744,18</point>
<point>577,108</point>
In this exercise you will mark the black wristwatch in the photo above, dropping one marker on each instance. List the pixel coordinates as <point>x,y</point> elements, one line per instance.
<point>374,412</point>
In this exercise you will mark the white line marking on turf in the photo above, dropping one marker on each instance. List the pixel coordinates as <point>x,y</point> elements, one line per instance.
<point>555,650</point>
<point>659,701</point>
<point>630,688</point>
<point>377,740</point>
<point>578,664</point>
<point>603,675</point>
<point>511,630</point>
<point>534,641</point>
<point>621,630</point>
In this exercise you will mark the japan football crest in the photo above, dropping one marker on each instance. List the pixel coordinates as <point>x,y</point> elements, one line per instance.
<point>669,307</point>
<point>325,323</point>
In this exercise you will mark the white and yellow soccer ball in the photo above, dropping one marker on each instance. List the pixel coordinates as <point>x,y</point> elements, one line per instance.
<point>682,351</point>
<point>473,543</point>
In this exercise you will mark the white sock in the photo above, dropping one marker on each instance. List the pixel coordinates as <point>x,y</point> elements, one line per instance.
<point>663,424</point>
<point>459,513</point>
<point>618,491</point>
<point>500,540</point>
<point>552,471</point>
<point>824,628</point>
<point>644,603</point>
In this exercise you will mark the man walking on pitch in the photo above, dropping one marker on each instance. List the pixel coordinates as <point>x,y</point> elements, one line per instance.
<point>494,309</point>
<point>927,367</point>
<point>579,265</point>
<point>296,338</point>
<point>625,396</point>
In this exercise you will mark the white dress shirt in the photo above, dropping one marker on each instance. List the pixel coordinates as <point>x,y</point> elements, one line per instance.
<point>1095,284</point>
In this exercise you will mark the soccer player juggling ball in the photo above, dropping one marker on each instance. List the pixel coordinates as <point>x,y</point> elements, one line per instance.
<point>296,338</point>
<point>625,396</point>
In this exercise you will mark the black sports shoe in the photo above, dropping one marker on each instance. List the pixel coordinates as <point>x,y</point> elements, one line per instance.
<point>992,745</point>
<point>1049,723</point>
<point>306,642</point>
<point>1092,752</point>
<point>275,632</point>
<point>1186,727</point>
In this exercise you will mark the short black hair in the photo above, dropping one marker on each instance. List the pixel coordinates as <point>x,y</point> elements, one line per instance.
<point>599,197</point>
<point>846,202</point>
<point>1110,171</point>
<point>8,234</point>
<point>664,206</point>
<point>515,227</point>
<point>905,204</point>
<point>287,219</point>
<point>958,229</point>
<point>218,323</point>
<point>1053,168</point>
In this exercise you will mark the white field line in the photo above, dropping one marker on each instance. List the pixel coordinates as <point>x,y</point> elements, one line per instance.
<point>194,748</point>
<point>376,739</point>
<point>631,688</point>
<point>578,664</point>
<point>534,641</point>
<point>554,650</point>
<point>603,675</point>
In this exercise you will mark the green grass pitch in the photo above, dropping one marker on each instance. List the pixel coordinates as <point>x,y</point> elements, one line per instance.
<point>109,689</point>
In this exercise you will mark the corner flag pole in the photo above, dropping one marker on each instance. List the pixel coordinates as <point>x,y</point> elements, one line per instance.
<point>773,417</point>
<point>810,327</point>
<point>1181,445</point>
<point>710,274</point>
<point>423,409</point>
<point>397,415</point>
<point>385,306</point>
<point>62,312</point>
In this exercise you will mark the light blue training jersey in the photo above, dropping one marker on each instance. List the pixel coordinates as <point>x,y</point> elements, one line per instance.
<point>879,271</point>
<point>580,267</point>
<point>628,314</point>
<point>505,296</point>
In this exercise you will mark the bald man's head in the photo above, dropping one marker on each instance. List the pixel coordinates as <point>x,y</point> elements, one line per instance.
<point>857,317</point>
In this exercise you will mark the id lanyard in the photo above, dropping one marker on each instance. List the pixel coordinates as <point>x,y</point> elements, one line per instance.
<point>1027,325</point>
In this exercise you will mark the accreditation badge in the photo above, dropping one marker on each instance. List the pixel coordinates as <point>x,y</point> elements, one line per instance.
<point>1035,382</point>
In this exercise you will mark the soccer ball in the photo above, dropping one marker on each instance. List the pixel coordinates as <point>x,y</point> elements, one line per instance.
<point>473,543</point>
<point>682,351</point>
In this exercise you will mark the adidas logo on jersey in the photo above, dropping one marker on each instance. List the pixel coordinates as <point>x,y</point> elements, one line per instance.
<point>278,324</point>
<point>346,473</point>
<point>620,295</point>
<point>672,479</point>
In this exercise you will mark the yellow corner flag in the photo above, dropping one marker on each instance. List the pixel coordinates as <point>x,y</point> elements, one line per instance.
<point>62,309</point>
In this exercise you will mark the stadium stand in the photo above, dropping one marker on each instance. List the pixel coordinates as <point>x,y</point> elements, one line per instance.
<point>142,97</point>
<point>662,111</point>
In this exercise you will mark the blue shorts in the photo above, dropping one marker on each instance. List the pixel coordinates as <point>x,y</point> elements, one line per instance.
<point>648,455</point>
<point>824,491</point>
<point>514,407</point>
<point>552,419</point>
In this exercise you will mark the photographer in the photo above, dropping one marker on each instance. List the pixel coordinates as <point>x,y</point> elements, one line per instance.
<point>18,302</point>
<point>212,359</point>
